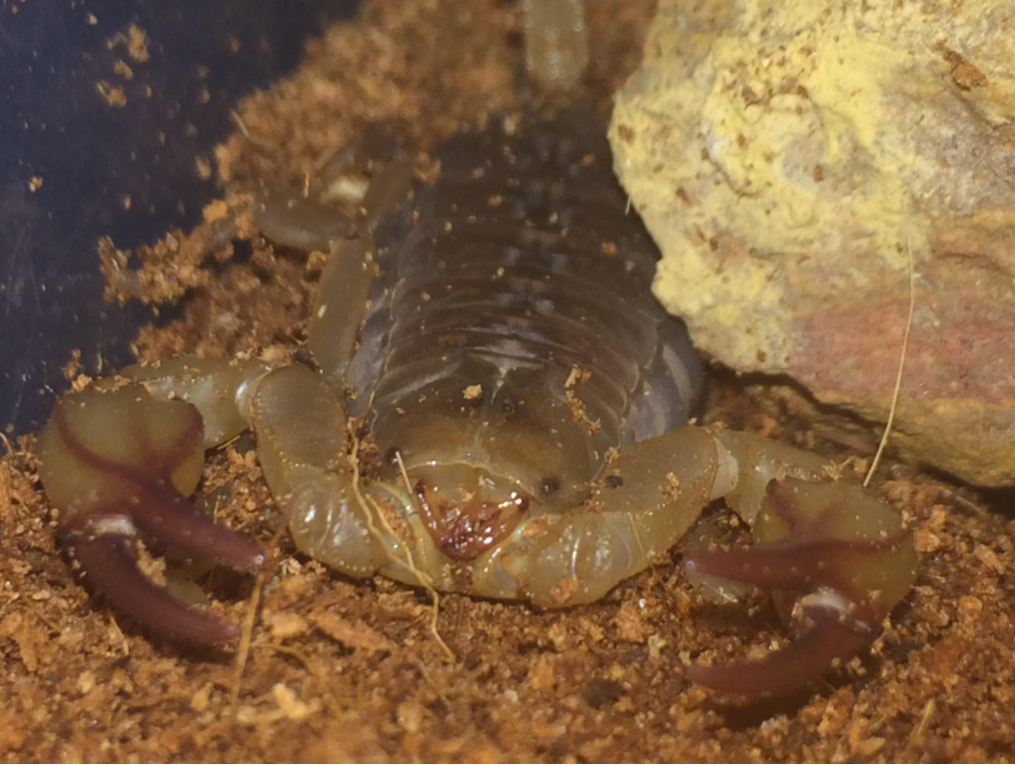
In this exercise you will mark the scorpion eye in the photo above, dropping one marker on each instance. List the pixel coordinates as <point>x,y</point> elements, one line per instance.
<point>549,485</point>
<point>614,482</point>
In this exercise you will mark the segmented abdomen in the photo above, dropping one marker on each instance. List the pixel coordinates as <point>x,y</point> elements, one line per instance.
<point>523,261</point>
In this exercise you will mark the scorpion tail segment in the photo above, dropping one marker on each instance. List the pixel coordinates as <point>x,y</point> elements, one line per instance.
<point>102,548</point>
<point>825,634</point>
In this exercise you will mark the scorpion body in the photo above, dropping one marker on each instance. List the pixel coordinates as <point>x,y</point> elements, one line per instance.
<point>527,397</point>
<point>513,333</point>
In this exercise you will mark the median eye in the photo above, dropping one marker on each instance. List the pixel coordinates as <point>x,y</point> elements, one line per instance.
<point>549,485</point>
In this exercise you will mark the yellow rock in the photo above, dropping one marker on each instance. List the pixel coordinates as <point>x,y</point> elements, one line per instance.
<point>789,156</point>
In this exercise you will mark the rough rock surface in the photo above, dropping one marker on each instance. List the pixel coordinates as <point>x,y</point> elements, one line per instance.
<point>789,156</point>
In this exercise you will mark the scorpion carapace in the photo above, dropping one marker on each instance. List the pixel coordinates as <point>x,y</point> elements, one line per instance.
<point>528,398</point>
<point>507,332</point>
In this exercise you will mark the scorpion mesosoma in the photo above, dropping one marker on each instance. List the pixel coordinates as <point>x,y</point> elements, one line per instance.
<point>532,404</point>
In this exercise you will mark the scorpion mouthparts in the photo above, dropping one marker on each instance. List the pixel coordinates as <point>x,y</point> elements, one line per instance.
<point>465,527</point>
<point>825,637</point>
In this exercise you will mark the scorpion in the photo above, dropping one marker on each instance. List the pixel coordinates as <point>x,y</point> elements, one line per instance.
<point>530,400</point>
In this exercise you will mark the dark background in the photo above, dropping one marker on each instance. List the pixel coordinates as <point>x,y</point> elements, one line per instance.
<point>54,125</point>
